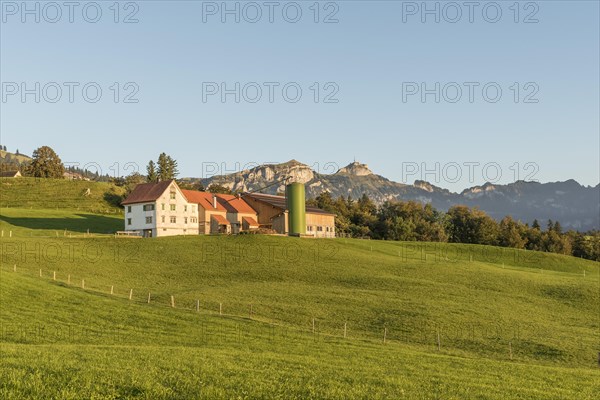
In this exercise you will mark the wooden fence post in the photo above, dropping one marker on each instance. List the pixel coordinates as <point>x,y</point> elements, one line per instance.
<point>197,305</point>
<point>510,349</point>
<point>69,279</point>
<point>40,273</point>
<point>384,334</point>
<point>439,344</point>
<point>313,325</point>
<point>83,284</point>
<point>53,275</point>
<point>148,298</point>
<point>130,293</point>
<point>173,301</point>
<point>345,329</point>
<point>15,268</point>
<point>220,308</point>
<point>112,290</point>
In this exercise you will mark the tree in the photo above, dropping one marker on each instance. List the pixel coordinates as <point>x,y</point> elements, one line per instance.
<point>536,225</point>
<point>167,168</point>
<point>465,225</point>
<point>172,168</point>
<point>17,152</point>
<point>216,188</point>
<point>132,180</point>
<point>191,185</point>
<point>151,176</point>
<point>557,228</point>
<point>510,234</point>
<point>45,164</point>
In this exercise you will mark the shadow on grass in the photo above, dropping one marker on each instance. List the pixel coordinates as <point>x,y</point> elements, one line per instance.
<point>77,223</point>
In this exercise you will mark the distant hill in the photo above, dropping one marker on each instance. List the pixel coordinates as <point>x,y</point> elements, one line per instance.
<point>12,161</point>
<point>574,205</point>
<point>37,193</point>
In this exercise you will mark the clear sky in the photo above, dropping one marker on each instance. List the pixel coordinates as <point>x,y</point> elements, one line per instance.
<point>375,61</point>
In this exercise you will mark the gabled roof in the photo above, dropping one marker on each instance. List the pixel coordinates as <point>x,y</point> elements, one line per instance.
<point>280,202</point>
<point>203,199</point>
<point>235,204</point>
<point>146,192</point>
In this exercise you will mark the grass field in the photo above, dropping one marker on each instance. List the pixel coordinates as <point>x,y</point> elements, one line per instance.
<point>460,321</point>
<point>57,194</point>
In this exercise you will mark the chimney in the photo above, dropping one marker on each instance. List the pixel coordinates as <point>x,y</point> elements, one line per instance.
<point>214,201</point>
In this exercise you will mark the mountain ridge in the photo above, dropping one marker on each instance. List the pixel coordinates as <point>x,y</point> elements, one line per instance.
<point>574,205</point>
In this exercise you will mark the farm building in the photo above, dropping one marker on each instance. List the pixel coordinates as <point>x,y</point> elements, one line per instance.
<point>164,209</point>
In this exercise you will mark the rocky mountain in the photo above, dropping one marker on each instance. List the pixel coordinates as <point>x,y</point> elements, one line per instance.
<point>574,205</point>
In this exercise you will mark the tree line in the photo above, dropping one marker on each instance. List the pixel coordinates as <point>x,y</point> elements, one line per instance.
<point>414,221</point>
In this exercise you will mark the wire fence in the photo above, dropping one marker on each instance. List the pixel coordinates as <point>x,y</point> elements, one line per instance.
<point>504,342</point>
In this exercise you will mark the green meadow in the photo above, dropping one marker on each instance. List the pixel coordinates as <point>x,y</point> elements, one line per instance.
<point>94,316</point>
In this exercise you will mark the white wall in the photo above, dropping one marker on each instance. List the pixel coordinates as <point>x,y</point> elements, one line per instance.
<point>167,228</point>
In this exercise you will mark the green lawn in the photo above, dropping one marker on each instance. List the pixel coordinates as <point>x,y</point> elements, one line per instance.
<point>509,324</point>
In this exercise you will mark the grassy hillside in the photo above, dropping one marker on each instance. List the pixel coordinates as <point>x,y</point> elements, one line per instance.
<point>21,158</point>
<point>62,342</point>
<point>52,223</point>
<point>52,194</point>
<point>461,321</point>
<point>547,308</point>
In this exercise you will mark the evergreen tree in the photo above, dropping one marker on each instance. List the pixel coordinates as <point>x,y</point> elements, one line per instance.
<point>536,225</point>
<point>172,168</point>
<point>163,167</point>
<point>151,176</point>
<point>557,228</point>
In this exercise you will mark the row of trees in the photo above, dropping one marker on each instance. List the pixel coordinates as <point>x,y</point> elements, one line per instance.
<point>413,221</point>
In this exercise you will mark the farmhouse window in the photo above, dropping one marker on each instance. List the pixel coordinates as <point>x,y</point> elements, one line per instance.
<point>185,220</point>
<point>162,219</point>
<point>310,228</point>
<point>163,206</point>
<point>173,207</point>
<point>128,221</point>
<point>185,208</point>
<point>128,209</point>
<point>148,207</point>
<point>319,229</point>
<point>148,220</point>
<point>173,195</point>
<point>173,220</point>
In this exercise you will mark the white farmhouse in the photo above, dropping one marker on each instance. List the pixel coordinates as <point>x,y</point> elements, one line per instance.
<point>163,209</point>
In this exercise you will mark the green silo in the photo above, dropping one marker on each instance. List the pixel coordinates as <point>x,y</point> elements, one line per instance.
<point>296,204</point>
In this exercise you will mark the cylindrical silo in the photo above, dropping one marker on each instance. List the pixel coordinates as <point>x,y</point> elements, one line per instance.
<point>296,204</point>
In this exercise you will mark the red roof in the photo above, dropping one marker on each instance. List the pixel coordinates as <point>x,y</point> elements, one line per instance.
<point>250,221</point>
<point>234,204</point>
<point>220,219</point>
<point>204,199</point>
<point>146,192</point>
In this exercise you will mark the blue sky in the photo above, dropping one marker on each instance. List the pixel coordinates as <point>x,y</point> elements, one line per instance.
<point>373,56</point>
